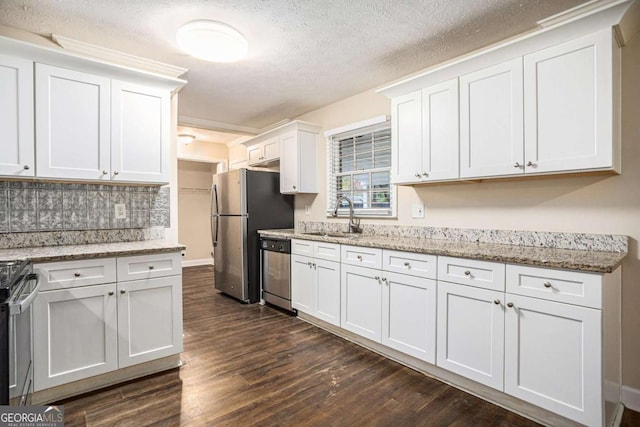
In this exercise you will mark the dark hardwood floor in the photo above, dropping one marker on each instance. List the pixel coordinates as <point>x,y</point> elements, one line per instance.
<point>251,365</point>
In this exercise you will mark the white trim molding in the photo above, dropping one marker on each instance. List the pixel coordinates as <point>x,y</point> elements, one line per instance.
<point>631,398</point>
<point>217,126</point>
<point>357,125</point>
<point>197,262</point>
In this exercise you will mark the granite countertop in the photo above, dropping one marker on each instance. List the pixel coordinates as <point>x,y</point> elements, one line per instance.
<point>73,252</point>
<point>582,260</point>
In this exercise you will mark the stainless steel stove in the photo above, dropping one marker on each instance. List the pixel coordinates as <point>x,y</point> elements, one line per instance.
<point>18,288</point>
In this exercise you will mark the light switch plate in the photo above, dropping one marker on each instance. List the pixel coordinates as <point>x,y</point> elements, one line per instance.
<point>417,210</point>
<point>120,210</point>
<point>307,210</point>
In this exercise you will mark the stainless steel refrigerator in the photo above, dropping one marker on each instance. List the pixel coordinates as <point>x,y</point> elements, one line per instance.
<point>242,202</point>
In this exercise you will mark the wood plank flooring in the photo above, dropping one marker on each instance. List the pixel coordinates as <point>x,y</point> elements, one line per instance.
<point>249,365</point>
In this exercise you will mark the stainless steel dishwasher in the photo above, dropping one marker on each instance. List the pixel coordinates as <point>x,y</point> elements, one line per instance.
<point>276,272</point>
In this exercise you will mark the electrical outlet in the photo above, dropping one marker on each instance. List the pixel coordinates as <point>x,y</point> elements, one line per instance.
<point>417,210</point>
<point>120,210</point>
<point>307,210</point>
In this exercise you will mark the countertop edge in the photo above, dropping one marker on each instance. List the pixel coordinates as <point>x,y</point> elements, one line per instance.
<point>481,251</point>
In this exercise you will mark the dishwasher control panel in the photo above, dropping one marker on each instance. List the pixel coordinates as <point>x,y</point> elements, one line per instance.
<point>276,245</point>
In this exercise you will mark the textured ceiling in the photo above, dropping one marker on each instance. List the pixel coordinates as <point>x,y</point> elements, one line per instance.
<point>303,54</point>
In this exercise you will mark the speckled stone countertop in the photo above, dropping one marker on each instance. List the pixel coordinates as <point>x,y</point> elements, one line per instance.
<point>589,261</point>
<point>73,252</point>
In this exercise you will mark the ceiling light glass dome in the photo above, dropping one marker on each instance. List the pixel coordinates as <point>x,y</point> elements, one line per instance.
<point>212,41</point>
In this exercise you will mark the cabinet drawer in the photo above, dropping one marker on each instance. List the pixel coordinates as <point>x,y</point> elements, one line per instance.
<point>421,265</point>
<point>570,287</point>
<point>361,256</point>
<point>328,251</point>
<point>148,266</point>
<point>71,274</point>
<point>302,247</point>
<point>482,274</point>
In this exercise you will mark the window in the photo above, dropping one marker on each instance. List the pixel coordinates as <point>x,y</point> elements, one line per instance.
<point>359,167</point>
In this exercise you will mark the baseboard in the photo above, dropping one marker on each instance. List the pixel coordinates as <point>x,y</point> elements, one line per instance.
<point>196,262</point>
<point>631,398</point>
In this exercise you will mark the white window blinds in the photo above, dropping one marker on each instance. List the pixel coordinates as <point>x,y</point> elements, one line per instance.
<point>359,167</point>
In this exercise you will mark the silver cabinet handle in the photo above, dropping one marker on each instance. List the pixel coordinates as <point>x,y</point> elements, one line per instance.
<point>116,172</point>
<point>418,175</point>
<point>386,282</point>
<point>122,291</point>
<point>496,301</point>
<point>510,304</point>
<point>315,266</point>
<point>26,167</point>
<point>104,172</point>
<point>467,273</point>
<point>377,277</point>
<point>359,257</point>
<point>110,292</point>
<point>151,267</point>
<point>309,263</point>
<point>516,165</point>
<point>294,187</point>
<point>425,174</point>
<point>407,264</point>
<point>76,274</point>
<point>547,284</point>
<point>530,164</point>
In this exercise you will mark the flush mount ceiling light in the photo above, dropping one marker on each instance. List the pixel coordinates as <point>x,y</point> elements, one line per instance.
<point>185,139</point>
<point>212,41</point>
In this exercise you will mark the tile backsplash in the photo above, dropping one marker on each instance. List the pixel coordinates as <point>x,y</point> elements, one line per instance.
<point>27,206</point>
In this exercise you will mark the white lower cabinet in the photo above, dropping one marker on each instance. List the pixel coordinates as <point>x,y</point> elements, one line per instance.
<point>315,287</point>
<point>362,301</point>
<point>74,334</point>
<point>553,357</point>
<point>82,329</point>
<point>471,332</point>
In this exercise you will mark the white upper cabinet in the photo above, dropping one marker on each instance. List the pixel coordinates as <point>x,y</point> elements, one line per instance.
<point>264,153</point>
<point>568,98</point>
<point>140,120</point>
<point>491,121</point>
<point>16,117</point>
<point>298,169</point>
<point>72,124</point>
<point>424,127</point>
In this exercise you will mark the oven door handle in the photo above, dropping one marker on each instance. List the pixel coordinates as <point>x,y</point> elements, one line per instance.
<point>23,303</point>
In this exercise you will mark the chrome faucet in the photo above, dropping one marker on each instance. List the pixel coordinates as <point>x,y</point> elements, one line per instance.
<point>354,223</point>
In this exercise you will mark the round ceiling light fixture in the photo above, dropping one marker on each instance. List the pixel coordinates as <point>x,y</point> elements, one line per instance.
<point>185,138</point>
<point>212,41</point>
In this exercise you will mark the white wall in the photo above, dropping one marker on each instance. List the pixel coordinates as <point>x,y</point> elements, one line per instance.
<point>590,204</point>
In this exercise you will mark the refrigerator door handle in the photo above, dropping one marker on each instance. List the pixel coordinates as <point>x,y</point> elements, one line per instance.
<point>214,229</point>
<point>214,200</point>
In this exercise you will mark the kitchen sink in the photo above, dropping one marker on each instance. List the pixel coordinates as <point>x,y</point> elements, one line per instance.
<point>339,234</point>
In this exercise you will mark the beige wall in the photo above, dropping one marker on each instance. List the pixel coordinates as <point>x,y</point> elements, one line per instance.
<point>589,204</point>
<point>193,208</point>
<point>204,151</point>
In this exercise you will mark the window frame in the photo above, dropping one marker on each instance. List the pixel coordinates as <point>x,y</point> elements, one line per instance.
<point>352,130</point>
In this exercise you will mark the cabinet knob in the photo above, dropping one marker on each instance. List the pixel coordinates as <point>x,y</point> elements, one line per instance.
<point>359,257</point>
<point>76,274</point>
<point>315,266</point>
<point>531,164</point>
<point>151,267</point>
<point>510,304</point>
<point>496,301</point>
<point>116,172</point>
<point>467,273</point>
<point>104,172</point>
<point>425,174</point>
<point>122,291</point>
<point>26,167</point>
<point>407,264</point>
<point>110,292</point>
<point>377,277</point>
<point>418,175</point>
<point>310,264</point>
<point>384,279</point>
<point>547,284</point>
<point>517,165</point>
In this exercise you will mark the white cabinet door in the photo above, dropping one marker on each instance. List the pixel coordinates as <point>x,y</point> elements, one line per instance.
<point>271,149</point>
<point>16,117</point>
<point>72,124</point>
<point>553,357</point>
<point>361,301</point>
<point>568,95</point>
<point>254,154</point>
<point>406,138</point>
<point>327,291</point>
<point>302,279</point>
<point>74,334</point>
<point>491,122</point>
<point>440,124</point>
<point>409,315</point>
<point>140,126</point>
<point>471,333</point>
<point>289,163</point>
<point>149,319</point>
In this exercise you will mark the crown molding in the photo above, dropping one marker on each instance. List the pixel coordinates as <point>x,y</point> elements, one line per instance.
<point>576,12</point>
<point>217,126</point>
<point>117,57</point>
